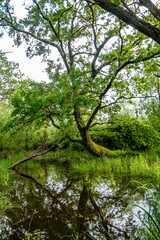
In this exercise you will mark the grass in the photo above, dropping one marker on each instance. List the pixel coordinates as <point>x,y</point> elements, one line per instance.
<point>6,162</point>
<point>134,166</point>
<point>82,163</point>
<point>151,220</point>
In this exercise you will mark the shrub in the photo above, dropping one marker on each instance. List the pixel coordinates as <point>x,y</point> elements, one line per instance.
<point>127,133</point>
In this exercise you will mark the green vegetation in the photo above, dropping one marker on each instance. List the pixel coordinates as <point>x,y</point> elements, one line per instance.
<point>146,24</point>
<point>136,134</point>
<point>137,166</point>
<point>100,70</point>
<point>87,167</point>
<point>101,104</point>
<point>149,218</point>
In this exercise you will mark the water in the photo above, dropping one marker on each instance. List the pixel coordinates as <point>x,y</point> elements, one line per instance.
<point>46,202</point>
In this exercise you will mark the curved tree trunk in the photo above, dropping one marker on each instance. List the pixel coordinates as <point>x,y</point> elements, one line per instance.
<point>92,147</point>
<point>96,149</point>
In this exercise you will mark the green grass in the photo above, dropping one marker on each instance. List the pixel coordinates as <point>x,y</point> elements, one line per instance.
<point>6,162</point>
<point>83,163</point>
<point>151,220</point>
<point>134,166</point>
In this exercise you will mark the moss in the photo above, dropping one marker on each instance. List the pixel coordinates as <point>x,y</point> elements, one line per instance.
<point>104,151</point>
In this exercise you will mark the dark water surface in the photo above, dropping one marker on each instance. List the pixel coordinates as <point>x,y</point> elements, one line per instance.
<point>51,203</point>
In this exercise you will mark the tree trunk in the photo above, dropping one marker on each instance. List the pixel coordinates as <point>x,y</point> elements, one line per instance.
<point>92,147</point>
<point>37,153</point>
<point>96,149</point>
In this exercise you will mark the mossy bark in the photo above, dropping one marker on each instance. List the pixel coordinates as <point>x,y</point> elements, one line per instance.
<point>96,149</point>
<point>91,146</point>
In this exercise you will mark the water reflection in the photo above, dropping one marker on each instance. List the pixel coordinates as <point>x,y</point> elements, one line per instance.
<point>61,206</point>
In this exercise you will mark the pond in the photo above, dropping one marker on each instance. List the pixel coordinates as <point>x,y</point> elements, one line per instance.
<point>43,201</point>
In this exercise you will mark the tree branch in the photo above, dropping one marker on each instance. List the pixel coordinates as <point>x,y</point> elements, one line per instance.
<point>98,107</point>
<point>92,25</point>
<point>9,24</point>
<point>127,98</point>
<point>53,123</point>
<point>94,71</point>
<point>37,153</point>
<point>130,18</point>
<point>151,7</point>
<point>63,54</point>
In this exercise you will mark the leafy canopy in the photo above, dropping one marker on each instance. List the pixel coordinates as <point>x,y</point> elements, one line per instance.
<point>94,61</point>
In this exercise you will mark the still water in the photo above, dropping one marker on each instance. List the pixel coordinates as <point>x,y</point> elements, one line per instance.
<point>43,201</point>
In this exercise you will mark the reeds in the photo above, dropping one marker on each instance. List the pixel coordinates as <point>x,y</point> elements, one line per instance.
<point>149,218</point>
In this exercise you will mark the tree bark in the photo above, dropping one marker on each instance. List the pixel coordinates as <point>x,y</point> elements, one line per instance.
<point>96,149</point>
<point>130,18</point>
<point>87,142</point>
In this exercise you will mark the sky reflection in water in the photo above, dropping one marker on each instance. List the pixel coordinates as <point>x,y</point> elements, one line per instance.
<point>58,205</point>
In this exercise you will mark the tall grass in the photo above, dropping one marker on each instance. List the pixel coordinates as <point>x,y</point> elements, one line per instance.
<point>150,218</point>
<point>6,162</point>
<point>134,166</point>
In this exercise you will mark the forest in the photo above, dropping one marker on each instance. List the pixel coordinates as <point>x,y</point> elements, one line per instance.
<point>80,151</point>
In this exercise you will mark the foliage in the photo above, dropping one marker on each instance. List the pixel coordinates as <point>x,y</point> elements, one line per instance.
<point>136,166</point>
<point>98,63</point>
<point>32,236</point>
<point>127,133</point>
<point>145,14</point>
<point>10,76</point>
<point>26,138</point>
<point>95,175</point>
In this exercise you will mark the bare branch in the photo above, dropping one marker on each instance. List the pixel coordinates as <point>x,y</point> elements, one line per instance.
<point>63,54</point>
<point>5,52</point>
<point>37,153</point>
<point>80,53</point>
<point>93,27</point>
<point>99,49</point>
<point>126,6</point>
<point>70,39</point>
<point>127,98</point>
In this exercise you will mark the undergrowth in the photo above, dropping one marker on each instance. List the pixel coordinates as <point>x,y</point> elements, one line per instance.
<point>137,166</point>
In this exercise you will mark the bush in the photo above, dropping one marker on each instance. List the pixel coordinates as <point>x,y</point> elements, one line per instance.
<point>127,133</point>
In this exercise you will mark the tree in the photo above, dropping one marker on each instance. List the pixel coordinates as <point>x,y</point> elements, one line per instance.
<point>9,75</point>
<point>134,13</point>
<point>93,69</point>
<point>151,107</point>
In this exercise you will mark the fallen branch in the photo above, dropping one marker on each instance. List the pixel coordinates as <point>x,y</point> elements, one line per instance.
<point>37,153</point>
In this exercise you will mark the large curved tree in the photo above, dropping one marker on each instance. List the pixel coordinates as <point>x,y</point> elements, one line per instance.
<point>92,65</point>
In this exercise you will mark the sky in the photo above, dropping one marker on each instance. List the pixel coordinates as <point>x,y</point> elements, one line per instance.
<point>32,68</point>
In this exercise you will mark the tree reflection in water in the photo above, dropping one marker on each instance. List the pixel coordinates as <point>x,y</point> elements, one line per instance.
<point>67,207</point>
